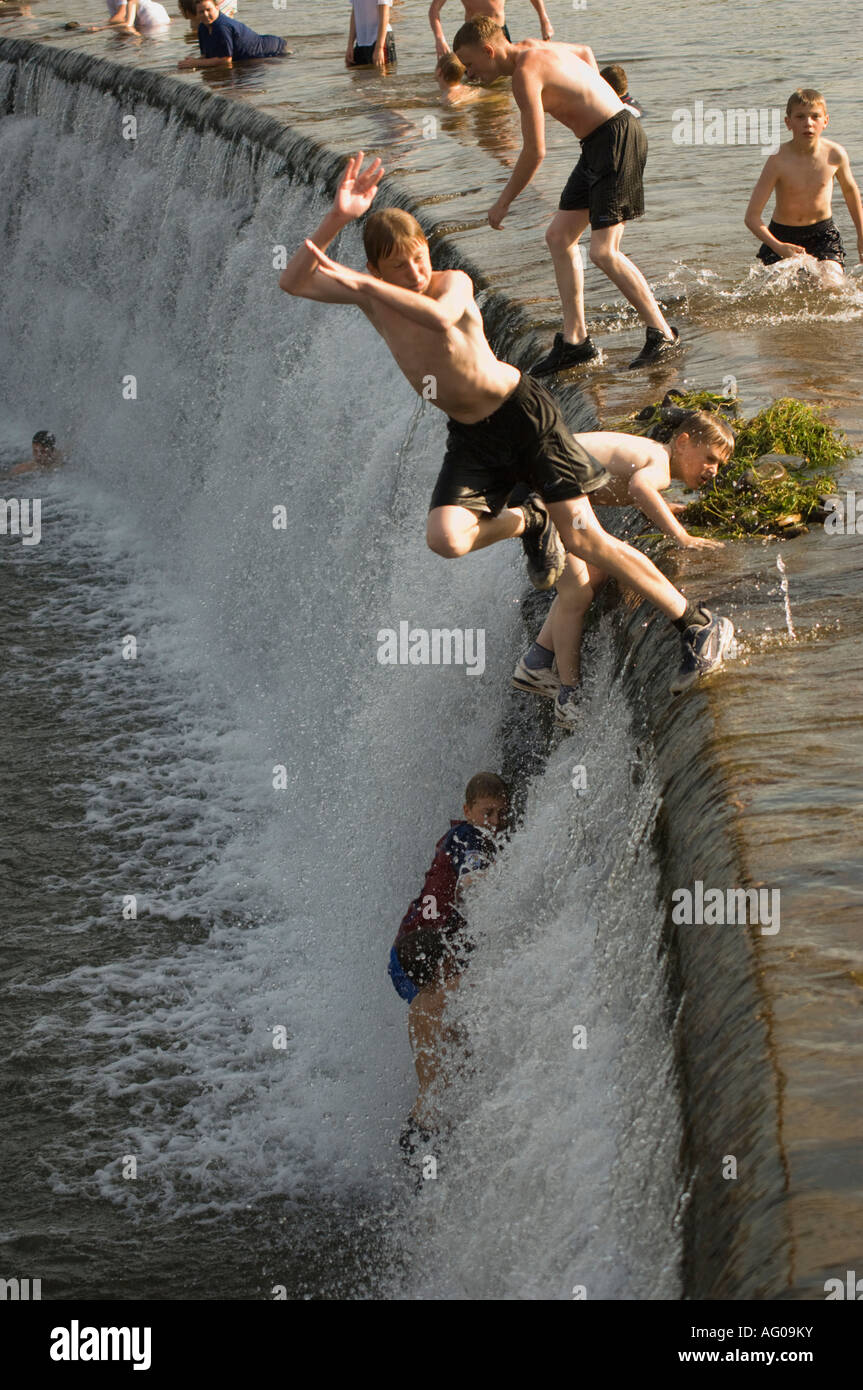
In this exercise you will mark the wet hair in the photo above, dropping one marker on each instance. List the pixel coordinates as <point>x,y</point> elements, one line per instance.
<point>44,439</point>
<point>616,78</point>
<point>705,427</point>
<point>450,69</point>
<point>485,784</point>
<point>481,29</point>
<point>189,8</point>
<point>388,229</point>
<point>805,96</point>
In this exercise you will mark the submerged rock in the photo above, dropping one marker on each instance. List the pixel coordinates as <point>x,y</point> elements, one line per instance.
<point>787,463</point>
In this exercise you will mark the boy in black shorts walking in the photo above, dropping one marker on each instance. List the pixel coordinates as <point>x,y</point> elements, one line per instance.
<point>605,188</point>
<point>505,430</point>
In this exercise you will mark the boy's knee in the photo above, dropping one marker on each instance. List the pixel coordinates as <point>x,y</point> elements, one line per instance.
<point>443,544</point>
<point>556,239</point>
<point>601,256</point>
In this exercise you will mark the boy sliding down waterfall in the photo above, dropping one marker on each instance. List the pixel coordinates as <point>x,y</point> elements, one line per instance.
<point>505,431</point>
<point>641,470</point>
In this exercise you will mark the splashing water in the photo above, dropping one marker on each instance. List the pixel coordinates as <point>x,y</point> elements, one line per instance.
<point>780,565</point>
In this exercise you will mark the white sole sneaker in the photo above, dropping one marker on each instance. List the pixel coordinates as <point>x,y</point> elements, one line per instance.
<point>544,682</point>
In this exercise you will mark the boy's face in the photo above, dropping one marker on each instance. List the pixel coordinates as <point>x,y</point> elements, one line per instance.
<point>480,61</point>
<point>698,463</point>
<point>408,266</point>
<point>490,812</point>
<point>807,122</point>
<point>207,11</point>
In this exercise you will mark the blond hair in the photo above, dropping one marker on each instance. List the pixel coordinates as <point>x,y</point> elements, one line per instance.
<point>481,29</point>
<point>450,69</point>
<point>389,230</point>
<point>805,96</point>
<point>706,427</point>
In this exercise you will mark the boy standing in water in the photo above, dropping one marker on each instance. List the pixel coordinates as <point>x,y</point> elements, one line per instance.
<point>801,175</point>
<point>492,9</point>
<point>431,947</point>
<point>640,471</point>
<point>605,188</point>
<point>506,433</point>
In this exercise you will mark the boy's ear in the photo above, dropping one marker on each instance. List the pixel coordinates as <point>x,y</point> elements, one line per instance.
<point>373,270</point>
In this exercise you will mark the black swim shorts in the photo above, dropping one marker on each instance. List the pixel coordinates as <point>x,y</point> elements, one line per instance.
<point>364,53</point>
<point>526,440</point>
<point>607,179</point>
<point>819,239</point>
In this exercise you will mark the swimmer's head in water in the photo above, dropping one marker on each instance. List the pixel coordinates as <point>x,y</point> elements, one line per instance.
<point>486,801</point>
<point>397,250</point>
<point>479,45</point>
<point>806,113</point>
<point>44,439</point>
<point>451,70</point>
<point>700,445</point>
<point>616,78</point>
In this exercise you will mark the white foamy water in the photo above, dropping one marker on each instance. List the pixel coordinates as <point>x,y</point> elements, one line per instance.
<point>261,907</point>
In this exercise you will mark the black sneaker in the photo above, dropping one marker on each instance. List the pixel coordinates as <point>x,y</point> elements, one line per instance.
<point>564,355</point>
<point>704,649</point>
<point>656,348</point>
<point>543,547</point>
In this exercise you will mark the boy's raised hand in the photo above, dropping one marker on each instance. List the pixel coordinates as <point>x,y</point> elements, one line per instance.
<point>355,194</point>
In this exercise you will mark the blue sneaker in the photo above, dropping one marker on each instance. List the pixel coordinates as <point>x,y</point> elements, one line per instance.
<point>704,650</point>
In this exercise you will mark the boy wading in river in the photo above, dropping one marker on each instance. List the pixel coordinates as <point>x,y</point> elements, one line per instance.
<point>605,188</point>
<point>506,433</point>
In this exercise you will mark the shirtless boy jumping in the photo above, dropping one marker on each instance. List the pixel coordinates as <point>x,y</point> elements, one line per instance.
<point>505,429</point>
<point>604,189</point>
<point>801,175</point>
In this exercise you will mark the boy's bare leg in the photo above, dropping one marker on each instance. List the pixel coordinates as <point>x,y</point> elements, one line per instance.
<point>563,628</point>
<point>606,255</point>
<point>454,531</point>
<point>429,1037</point>
<point>561,238</point>
<point>583,537</point>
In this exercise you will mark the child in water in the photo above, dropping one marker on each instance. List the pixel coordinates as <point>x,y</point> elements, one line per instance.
<point>618,82</point>
<point>801,176</point>
<point>449,74</point>
<point>432,944</point>
<point>226,41</point>
<point>641,470</point>
<point>45,454</point>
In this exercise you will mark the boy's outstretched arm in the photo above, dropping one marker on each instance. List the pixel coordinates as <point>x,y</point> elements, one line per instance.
<point>754,213</point>
<point>354,196</point>
<point>527,90</point>
<point>851,194</point>
<point>644,491</point>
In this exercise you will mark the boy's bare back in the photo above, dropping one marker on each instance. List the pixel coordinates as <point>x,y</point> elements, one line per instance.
<point>570,89</point>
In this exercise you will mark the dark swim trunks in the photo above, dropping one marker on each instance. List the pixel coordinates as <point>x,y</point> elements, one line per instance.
<point>608,177</point>
<point>526,440</point>
<point>819,239</point>
<point>364,53</point>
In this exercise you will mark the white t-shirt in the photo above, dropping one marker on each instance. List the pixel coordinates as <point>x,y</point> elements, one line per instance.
<point>366,21</point>
<point>149,16</point>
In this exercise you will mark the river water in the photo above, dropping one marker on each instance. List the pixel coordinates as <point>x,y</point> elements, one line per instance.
<point>151,1037</point>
